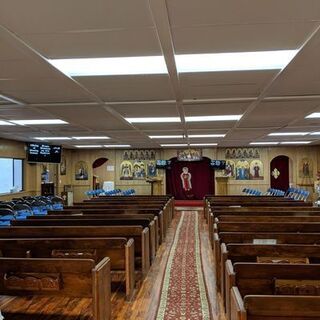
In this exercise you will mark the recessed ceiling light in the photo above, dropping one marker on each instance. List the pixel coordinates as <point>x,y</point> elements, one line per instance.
<point>214,118</point>
<point>117,145</point>
<point>313,115</point>
<point>89,146</point>
<point>280,134</point>
<point>5,123</point>
<point>263,143</point>
<point>52,138</point>
<point>206,135</point>
<point>91,138</point>
<point>38,122</point>
<point>111,66</point>
<point>153,120</point>
<point>295,142</point>
<point>202,144</point>
<point>175,145</point>
<point>234,61</point>
<point>178,136</point>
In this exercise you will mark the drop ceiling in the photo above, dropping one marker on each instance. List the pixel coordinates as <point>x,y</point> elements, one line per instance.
<point>270,100</point>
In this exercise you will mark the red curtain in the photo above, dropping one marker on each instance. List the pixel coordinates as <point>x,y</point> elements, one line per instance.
<point>201,179</point>
<point>279,170</point>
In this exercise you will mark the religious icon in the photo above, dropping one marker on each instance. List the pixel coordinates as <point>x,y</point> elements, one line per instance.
<point>139,171</point>
<point>152,171</point>
<point>229,170</point>
<point>228,154</point>
<point>63,166</point>
<point>186,179</point>
<point>125,155</point>
<point>305,168</point>
<point>242,170</point>
<point>256,170</point>
<point>81,171</point>
<point>126,170</point>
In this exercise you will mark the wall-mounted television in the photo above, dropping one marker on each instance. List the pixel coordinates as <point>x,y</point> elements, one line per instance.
<point>41,152</point>
<point>163,164</point>
<point>218,164</point>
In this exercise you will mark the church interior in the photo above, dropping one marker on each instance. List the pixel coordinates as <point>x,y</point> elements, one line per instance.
<point>159,160</point>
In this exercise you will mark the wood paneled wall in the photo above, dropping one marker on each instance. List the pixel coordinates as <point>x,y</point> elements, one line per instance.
<point>32,172</point>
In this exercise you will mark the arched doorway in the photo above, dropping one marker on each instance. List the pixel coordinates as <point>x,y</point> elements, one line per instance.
<point>99,175</point>
<point>192,183</point>
<point>279,173</point>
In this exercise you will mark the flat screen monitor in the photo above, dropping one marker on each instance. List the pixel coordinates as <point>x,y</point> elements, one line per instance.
<point>163,164</point>
<point>218,164</point>
<point>41,152</point>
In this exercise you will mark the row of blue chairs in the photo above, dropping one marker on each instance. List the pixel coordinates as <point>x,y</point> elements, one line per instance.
<point>252,192</point>
<point>275,192</point>
<point>115,192</point>
<point>297,194</point>
<point>21,208</point>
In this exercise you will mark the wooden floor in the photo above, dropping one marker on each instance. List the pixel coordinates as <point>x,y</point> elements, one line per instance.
<point>144,303</point>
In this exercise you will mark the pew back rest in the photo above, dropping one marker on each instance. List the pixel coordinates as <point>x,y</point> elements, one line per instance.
<point>282,307</point>
<point>260,278</point>
<point>70,277</point>
<point>76,248</point>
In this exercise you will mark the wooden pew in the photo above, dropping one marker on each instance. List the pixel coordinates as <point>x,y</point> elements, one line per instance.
<point>271,279</point>
<point>57,277</point>
<point>145,223</point>
<point>138,233</point>
<point>253,307</point>
<point>251,253</point>
<point>119,250</point>
<point>164,220</point>
<point>122,214</point>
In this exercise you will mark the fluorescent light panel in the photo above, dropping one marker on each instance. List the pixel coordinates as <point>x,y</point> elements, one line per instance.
<point>178,136</point>
<point>91,138</point>
<point>202,144</point>
<point>235,61</point>
<point>313,115</point>
<point>214,118</point>
<point>117,145</point>
<point>38,122</point>
<point>175,145</point>
<point>206,135</point>
<point>153,120</point>
<point>111,66</point>
<point>280,134</point>
<point>263,143</point>
<point>295,142</point>
<point>52,138</point>
<point>5,123</point>
<point>315,133</point>
<point>89,146</point>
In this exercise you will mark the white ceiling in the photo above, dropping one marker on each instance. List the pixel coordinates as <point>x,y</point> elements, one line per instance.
<point>33,31</point>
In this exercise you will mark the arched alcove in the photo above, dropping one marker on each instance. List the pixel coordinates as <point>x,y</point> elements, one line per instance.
<point>280,172</point>
<point>99,172</point>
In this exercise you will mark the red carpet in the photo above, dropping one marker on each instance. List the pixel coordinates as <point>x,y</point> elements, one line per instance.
<point>183,292</point>
<point>188,203</point>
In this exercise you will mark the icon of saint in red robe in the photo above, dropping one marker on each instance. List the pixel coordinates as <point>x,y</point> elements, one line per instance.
<point>186,179</point>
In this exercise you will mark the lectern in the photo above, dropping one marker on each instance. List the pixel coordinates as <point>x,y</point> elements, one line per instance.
<point>156,185</point>
<point>222,186</point>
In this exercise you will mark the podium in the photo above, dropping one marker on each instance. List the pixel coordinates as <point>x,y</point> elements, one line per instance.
<point>222,186</point>
<point>156,186</point>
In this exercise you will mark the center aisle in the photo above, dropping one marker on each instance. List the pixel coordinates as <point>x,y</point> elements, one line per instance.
<point>183,293</point>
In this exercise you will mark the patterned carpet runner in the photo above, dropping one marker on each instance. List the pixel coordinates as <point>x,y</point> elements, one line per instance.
<point>183,292</point>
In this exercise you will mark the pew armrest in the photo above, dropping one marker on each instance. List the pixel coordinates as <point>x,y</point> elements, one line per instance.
<point>101,290</point>
<point>230,281</point>
<point>145,251</point>
<point>237,309</point>
<point>130,271</point>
